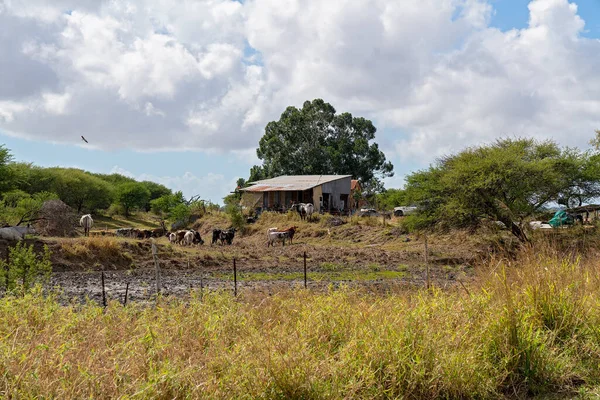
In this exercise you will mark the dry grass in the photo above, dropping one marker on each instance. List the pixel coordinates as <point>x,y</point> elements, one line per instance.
<point>524,328</point>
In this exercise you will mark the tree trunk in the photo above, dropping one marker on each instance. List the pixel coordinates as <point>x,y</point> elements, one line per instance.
<point>514,228</point>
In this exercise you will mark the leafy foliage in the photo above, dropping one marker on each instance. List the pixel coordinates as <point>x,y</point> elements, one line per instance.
<point>18,207</point>
<point>132,195</point>
<point>508,181</point>
<point>315,140</point>
<point>25,267</point>
<point>390,198</point>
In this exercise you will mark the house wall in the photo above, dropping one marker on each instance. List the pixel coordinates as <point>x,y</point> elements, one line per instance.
<point>335,189</point>
<point>317,193</point>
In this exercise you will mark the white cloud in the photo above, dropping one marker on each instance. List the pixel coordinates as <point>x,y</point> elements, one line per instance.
<point>208,75</point>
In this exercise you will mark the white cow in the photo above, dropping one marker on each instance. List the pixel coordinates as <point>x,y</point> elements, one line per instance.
<point>188,238</point>
<point>277,236</point>
<point>86,222</point>
<point>305,210</point>
<point>173,238</point>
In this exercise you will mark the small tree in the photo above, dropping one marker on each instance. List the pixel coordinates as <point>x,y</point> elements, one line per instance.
<point>132,195</point>
<point>507,181</point>
<point>25,268</point>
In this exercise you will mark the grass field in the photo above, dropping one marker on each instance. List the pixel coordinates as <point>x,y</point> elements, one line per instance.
<point>529,327</point>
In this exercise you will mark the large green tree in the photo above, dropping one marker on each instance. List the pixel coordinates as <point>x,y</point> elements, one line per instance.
<point>508,181</point>
<point>315,140</point>
<point>7,175</point>
<point>132,195</point>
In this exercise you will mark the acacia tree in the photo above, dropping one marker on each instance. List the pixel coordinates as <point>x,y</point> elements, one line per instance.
<point>508,181</point>
<point>132,195</point>
<point>315,140</point>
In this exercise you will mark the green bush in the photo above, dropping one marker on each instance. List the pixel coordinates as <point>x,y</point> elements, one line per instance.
<point>115,209</point>
<point>24,268</point>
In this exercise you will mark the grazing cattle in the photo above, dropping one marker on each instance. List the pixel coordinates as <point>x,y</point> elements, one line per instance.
<point>16,232</point>
<point>291,232</point>
<point>198,238</point>
<point>270,230</point>
<point>226,236</point>
<point>305,210</point>
<point>86,222</point>
<point>124,232</point>
<point>273,235</point>
<point>172,238</point>
<point>277,236</point>
<point>188,238</point>
<point>158,232</point>
<point>216,234</point>
<point>179,236</point>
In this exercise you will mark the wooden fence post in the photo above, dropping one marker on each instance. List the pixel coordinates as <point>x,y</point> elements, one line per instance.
<point>103,291</point>
<point>234,279</point>
<point>126,294</point>
<point>305,283</point>
<point>156,266</point>
<point>7,267</point>
<point>427,262</point>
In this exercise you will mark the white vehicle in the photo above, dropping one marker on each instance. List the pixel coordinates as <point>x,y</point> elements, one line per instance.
<point>404,210</point>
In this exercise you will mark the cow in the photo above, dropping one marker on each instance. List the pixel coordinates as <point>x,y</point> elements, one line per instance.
<point>172,238</point>
<point>216,234</point>
<point>124,232</point>
<point>305,210</point>
<point>16,232</point>
<point>292,231</point>
<point>277,236</point>
<point>270,230</point>
<point>192,237</point>
<point>158,232</point>
<point>179,236</point>
<point>226,236</point>
<point>198,238</point>
<point>86,222</point>
<point>188,238</point>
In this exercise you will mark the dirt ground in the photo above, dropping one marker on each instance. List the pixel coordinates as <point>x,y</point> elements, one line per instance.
<point>372,258</point>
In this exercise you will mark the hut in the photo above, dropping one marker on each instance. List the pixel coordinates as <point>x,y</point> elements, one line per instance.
<point>328,193</point>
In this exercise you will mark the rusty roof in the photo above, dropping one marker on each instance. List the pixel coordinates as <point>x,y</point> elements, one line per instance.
<point>354,184</point>
<point>292,183</point>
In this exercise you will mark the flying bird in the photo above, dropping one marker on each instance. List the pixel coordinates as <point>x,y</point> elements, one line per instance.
<point>84,139</point>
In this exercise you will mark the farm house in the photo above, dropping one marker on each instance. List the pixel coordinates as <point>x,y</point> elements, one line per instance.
<point>328,193</point>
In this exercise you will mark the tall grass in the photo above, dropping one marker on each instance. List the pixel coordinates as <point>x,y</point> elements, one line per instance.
<point>524,328</point>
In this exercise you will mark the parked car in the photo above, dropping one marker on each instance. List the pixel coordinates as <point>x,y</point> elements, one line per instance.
<point>404,210</point>
<point>368,212</point>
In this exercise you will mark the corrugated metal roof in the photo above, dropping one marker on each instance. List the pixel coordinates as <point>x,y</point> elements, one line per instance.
<point>292,182</point>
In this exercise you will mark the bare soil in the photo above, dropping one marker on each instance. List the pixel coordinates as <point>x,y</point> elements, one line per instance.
<point>351,255</point>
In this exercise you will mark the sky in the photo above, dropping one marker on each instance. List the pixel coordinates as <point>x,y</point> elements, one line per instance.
<point>179,92</point>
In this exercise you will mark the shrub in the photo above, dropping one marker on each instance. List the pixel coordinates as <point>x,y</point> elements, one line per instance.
<point>25,267</point>
<point>115,209</point>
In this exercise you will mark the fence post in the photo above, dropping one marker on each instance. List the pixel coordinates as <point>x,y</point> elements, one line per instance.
<point>103,291</point>
<point>427,262</point>
<point>7,267</point>
<point>234,279</point>
<point>156,266</point>
<point>126,294</point>
<point>305,283</point>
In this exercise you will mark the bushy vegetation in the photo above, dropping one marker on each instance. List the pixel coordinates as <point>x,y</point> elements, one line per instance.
<point>24,268</point>
<point>523,328</point>
<point>509,181</point>
<point>25,187</point>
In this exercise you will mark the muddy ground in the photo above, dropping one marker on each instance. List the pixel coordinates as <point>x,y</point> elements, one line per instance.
<point>370,259</point>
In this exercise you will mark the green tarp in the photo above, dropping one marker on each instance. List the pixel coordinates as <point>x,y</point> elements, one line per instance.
<point>561,218</point>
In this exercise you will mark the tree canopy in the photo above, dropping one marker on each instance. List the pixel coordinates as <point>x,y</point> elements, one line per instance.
<point>508,181</point>
<point>315,140</point>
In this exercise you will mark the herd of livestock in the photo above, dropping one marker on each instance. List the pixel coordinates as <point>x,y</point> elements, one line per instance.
<point>182,237</point>
<point>190,236</point>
